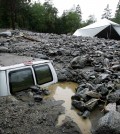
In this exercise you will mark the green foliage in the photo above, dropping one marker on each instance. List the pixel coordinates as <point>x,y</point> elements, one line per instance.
<point>12,11</point>
<point>43,17</point>
<point>91,19</point>
<point>50,16</point>
<point>78,11</point>
<point>38,17</point>
<point>117,14</point>
<point>70,21</point>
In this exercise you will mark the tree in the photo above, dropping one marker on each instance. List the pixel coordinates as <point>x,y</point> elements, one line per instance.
<point>37,22</point>
<point>50,16</point>
<point>91,19</point>
<point>4,15</point>
<point>78,11</point>
<point>10,11</point>
<point>43,17</point>
<point>38,17</point>
<point>117,14</point>
<point>70,21</point>
<point>107,13</point>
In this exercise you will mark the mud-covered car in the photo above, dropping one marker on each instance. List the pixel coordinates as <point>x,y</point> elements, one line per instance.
<point>19,77</point>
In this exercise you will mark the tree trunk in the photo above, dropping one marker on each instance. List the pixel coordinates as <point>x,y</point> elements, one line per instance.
<point>12,8</point>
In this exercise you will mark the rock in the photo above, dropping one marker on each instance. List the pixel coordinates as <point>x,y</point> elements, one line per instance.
<point>92,77</point>
<point>31,104</point>
<point>61,76</point>
<point>116,67</point>
<point>80,62</point>
<point>79,105</point>
<point>38,98</point>
<point>110,86</point>
<point>102,77</point>
<point>106,63</point>
<point>118,108</point>
<point>110,107</point>
<point>46,92</point>
<point>85,76</point>
<point>91,104</point>
<point>102,89</point>
<point>80,113</point>
<point>114,97</point>
<point>6,44</point>
<point>90,86</point>
<point>109,124</point>
<point>52,52</point>
<point>30,94</point>
<point>4,50</point>
<point>61,51</point>
<point>99,52</point>
<point>86,114</point>
<point>82,94</point>
<point>69,127</point>
<point>35,89</point>
<point>80,87</point>
<point>93,94</point>
<point>76,97</point>
<point>76,53</point>
<point>99,69</point>
<point>41,56</point>
<point>1,131</point>
<point>84,91</point>
<point>67,73</point>
<point>11,99</point>
<point>5,34</point>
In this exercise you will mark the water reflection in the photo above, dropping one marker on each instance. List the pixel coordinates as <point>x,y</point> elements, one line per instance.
<point>64,91</point>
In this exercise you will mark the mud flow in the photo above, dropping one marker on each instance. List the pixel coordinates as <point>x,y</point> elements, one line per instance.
<point>64,91</point>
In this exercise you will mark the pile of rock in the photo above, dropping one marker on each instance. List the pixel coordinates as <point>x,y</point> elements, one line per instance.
<point>34,93</point>
<point>88,97</point>
<point>92,62</point>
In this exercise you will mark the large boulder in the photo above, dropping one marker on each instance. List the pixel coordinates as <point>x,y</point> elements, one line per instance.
<point>69,127</point>
<point>64,75</point>
<point>80,62</point>
<point>6,33</point>
<point>102,89</point>
<point>4,49</point>
<point>79,105</point>
<point>109,124</point>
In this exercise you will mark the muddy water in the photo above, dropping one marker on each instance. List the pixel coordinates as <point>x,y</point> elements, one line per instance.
<point>64,91</point>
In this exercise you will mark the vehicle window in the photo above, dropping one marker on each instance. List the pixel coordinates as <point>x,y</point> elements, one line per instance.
<point>43,74</point>
<point>20,79</point>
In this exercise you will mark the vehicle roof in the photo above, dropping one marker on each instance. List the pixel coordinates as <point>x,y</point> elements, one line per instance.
<point>27,63</point>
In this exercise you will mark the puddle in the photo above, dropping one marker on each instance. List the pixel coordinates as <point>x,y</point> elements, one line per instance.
<point>64,91</point>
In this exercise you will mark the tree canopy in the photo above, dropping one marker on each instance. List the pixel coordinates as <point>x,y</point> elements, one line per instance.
<point>13,12</point>
<point>107,13</point>
<point>117,14</point>
<point>38,17</point>
<point>44,17</point>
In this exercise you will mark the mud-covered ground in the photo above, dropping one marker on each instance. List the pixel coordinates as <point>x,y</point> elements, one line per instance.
<point>79,59</point>
<point>20,114</point>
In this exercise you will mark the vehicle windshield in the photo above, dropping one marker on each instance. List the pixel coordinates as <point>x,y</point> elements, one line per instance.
<point>43,74</point>
<point>20,79</point>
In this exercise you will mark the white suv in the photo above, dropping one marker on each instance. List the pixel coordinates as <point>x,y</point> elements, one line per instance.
<point>19,77</point>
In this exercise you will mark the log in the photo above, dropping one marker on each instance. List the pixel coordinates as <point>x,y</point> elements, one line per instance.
<point>29,38</point>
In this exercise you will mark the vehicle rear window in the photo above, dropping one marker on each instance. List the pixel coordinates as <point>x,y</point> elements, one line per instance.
<point>43,74</point>
<point>20,79</point>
